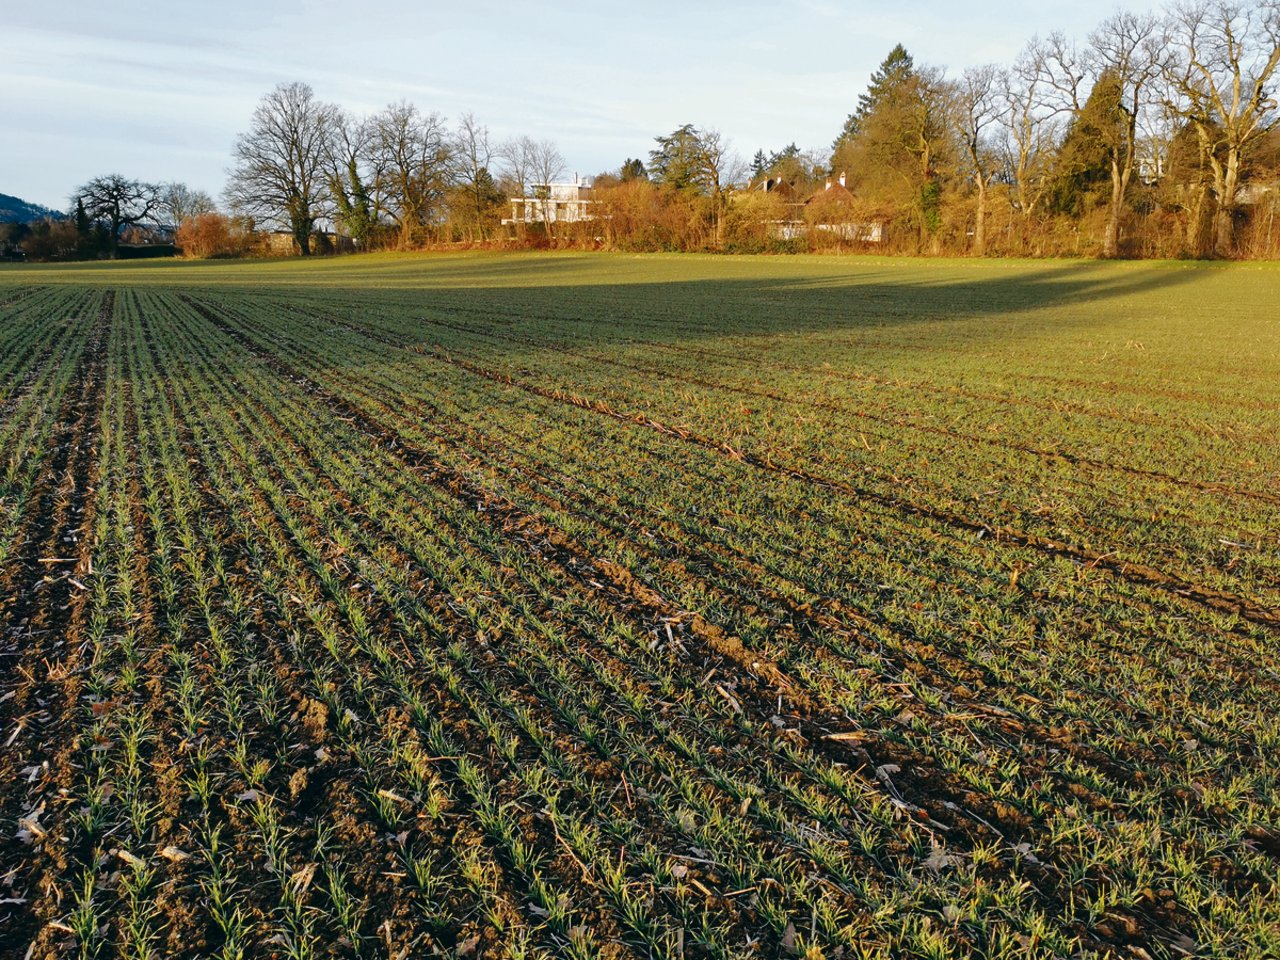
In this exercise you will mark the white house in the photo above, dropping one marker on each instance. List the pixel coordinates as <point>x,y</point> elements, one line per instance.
<point>554,203</point>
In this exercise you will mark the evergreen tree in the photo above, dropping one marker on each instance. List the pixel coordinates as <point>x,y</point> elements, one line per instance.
<point>675,161</point>
<point>487,190</point>
<point>894,70</point>
<point>82,218</point>
<point>92,237</point>
<point>1083,168</point>
<point>633,169</point>
<point>759,165</point>
<point>786,154</point>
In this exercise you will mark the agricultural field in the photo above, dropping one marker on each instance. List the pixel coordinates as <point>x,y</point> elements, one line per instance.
<point>583,606</point>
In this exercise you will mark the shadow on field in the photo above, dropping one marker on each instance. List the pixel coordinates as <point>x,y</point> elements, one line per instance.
<point>562,300</point>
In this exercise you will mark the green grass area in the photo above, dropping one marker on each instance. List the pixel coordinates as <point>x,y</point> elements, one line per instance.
<point>598,605</point>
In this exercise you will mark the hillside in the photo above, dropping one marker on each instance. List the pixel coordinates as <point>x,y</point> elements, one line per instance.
<point>14,210</point>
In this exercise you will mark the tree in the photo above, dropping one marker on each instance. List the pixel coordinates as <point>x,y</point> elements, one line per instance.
<point>1127,56</point>
<point>1083,164</point>
<point>674,161</point>
<point>11,237</point>
<point>547,166</point>
<point>1032,125</point>
<point>92,237</point>
<point>789,164</point>
<point>179,202</point>
<point>697,163</point>
<point>353,176</point>
<point>51,239</point>
<point>517,155</point>
<point>473,156</point>
<point>719,168</point>
<point>117,202</point>
<point>893,71</point>
<point>633,169</point>
<point>529,167</point>
<point>1228,54</point>
<point>979,108</point>
<point>413,158</point>
<point>902,145</point>
<point>281,173</point>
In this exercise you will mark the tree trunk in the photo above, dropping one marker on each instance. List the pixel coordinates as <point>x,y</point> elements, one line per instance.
<point>1111,235</point>
<point>980,222</point>
<point>548,226</point>
<point>1197,222</point>
<point>477,207</point>
<point>718,198</point>
<point>1224,239</point>
<point>1119,183</point>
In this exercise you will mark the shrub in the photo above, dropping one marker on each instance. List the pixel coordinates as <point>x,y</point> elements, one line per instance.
<point>210,236</point>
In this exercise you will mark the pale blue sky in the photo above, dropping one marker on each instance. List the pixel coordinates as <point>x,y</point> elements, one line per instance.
<point>159,91</point>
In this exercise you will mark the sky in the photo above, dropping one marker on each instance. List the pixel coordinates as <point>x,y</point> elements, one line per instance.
<point>159,91</point>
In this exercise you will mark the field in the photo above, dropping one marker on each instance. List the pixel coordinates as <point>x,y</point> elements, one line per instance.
<point>600,606</point>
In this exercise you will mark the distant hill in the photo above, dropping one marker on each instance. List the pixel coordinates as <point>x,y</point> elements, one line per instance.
<point>13,210</point>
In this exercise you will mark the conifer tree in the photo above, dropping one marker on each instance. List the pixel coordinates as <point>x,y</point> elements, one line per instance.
<point>894,70</point>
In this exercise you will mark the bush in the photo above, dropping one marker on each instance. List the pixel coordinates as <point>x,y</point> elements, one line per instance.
<point>211,236</point>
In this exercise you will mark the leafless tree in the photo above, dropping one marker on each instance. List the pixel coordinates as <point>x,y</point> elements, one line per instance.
<point>1062,71</point>
<point>720,168</point>
<point>516,155</point>
<point>547,166</point>
<point>1032,122</point>
<point>179,202</point>
<point>979,108</point>
<point>118,202</point>
<point>1128,50</point>
<point>414,158</point>
<point>281,170</point>
<point>1227,55</point>
<point>473,156</point>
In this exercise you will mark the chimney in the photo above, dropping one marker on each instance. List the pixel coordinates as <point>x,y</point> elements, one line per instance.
<point>842,178</point>
<point>828,186</point>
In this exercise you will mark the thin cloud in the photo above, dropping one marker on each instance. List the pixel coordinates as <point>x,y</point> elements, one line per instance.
<point>602,82</point>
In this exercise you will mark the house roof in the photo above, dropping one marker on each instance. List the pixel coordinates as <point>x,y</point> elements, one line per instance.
<point>834,193</point>
<point>776,185</point>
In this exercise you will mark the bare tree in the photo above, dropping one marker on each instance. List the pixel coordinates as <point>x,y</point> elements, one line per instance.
<point>517,164</point>
<point>1062,71</point>
<point>720,168</point>
<point>179,202</point>
<point>547,166</point>
<point>979,107</point>
<point>1032,121</point>
<point>1228,54</point>
<point>414,158</point>
<point>473,155</point>
<point>281,169</point>
<point>1126,50</point>
<point>118,202</point>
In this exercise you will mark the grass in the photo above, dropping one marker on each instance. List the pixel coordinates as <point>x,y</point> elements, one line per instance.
<point>594,605</point>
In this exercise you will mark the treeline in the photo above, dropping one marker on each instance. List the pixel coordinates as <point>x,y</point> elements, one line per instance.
<point>1154,136</point>
<point>108,213</point>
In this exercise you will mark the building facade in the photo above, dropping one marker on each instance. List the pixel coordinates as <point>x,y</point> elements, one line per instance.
<point>553,203</point>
